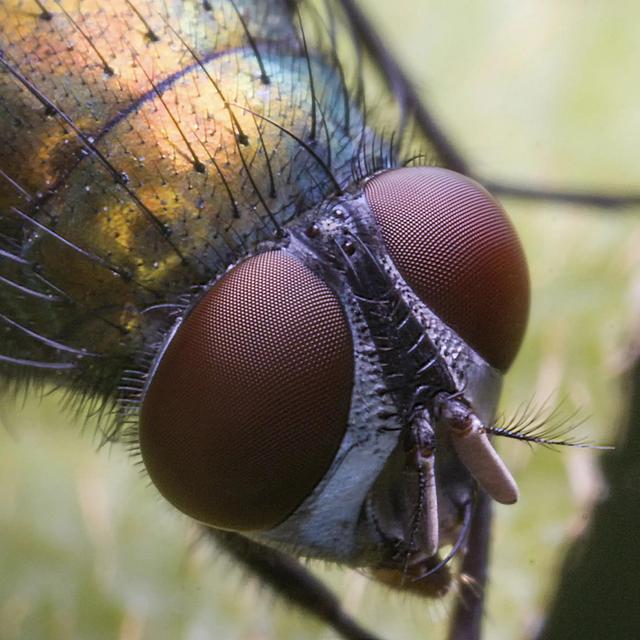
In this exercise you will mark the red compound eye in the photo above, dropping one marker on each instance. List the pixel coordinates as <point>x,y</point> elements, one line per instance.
<point>250,401</point>
<point>454,245</point>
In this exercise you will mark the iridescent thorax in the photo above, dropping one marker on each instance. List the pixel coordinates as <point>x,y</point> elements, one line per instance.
<point>165,185</point>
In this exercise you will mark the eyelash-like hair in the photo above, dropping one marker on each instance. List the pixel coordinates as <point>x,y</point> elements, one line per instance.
<point>547,425</point>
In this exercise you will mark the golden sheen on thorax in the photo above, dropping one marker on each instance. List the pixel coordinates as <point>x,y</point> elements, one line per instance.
<point>159,112</point>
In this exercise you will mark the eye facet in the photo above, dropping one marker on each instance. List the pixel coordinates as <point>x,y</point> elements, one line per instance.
<point>250,400</point>
<point>454,245</point>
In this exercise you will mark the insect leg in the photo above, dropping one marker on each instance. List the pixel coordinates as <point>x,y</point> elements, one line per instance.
<point>289,579</point>
<point>466,621</point>
<point>413,105</point>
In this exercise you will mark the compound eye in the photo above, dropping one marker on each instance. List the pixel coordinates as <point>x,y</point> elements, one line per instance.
<point>250,400</point>
<point>454,245</point>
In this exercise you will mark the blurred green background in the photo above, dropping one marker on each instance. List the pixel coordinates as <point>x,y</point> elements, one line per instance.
<point>533,91</point>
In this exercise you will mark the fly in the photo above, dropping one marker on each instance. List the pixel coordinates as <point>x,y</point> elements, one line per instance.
<point>206,229</point>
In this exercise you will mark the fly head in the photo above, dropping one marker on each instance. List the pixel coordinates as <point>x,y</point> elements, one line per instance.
<point>329,394</point>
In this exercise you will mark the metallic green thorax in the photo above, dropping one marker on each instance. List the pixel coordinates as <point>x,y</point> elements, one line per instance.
<point>143,150</point>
